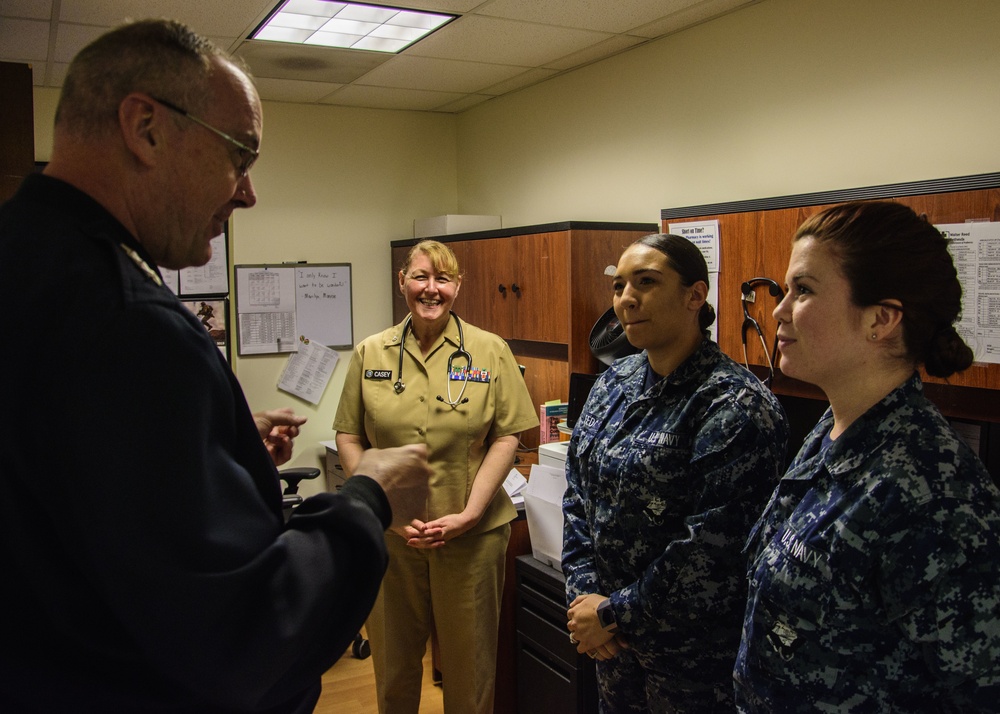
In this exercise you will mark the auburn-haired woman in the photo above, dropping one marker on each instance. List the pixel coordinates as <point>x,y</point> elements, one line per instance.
<point>875,571</point>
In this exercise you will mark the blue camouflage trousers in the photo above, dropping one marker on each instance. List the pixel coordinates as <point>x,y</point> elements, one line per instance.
<point>626,687</point>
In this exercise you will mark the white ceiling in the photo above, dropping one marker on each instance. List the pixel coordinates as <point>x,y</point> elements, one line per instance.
<point>494,47</point>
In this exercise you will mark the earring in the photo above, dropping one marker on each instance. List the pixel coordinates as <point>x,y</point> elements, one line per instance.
<point>874,336</point>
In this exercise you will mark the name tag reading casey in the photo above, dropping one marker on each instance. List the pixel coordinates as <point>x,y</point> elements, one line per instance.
<point>378,374</point>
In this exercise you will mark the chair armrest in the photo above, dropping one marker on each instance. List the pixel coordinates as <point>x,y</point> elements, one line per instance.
<point>293,476</point>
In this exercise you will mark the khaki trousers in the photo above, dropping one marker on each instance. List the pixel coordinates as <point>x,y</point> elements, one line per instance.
<point>455,590</point>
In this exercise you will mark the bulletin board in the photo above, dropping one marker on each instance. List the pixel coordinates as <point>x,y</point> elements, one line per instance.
<point>210,279</point>
<point>279,306</point>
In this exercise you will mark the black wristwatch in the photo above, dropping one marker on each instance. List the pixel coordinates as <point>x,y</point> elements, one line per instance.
<point>606,616</point>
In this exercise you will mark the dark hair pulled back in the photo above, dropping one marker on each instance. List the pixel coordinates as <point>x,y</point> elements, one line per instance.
<point>888,252</point>
<point>686,259</point>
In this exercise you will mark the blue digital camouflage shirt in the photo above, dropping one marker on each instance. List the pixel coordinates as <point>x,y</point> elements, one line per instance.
<point>875,580</point>
<point>664,485</point>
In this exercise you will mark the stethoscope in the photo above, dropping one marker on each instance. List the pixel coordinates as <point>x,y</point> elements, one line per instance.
<point>748,322</point>
<point>460,353</point>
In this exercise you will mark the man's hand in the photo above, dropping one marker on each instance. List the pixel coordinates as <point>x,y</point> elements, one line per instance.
<point>402,472</point>
<point>278,429</point>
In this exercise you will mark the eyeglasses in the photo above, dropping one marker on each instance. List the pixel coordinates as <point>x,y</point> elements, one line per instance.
<point>247,155</point>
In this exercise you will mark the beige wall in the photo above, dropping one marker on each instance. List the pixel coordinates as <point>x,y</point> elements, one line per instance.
<point>335,185</point>
<point>781,97</point>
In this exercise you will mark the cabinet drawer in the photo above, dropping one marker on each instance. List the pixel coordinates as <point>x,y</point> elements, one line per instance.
<point>542,685</point>
<point>551,635</point>
<point>541,581</point>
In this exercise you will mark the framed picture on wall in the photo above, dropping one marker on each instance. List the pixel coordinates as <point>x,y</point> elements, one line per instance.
<point>213,313</point>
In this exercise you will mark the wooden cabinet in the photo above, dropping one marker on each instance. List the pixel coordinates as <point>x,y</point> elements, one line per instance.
<point>541,288</point>
<point>17,128</point>
<point>517,284</point>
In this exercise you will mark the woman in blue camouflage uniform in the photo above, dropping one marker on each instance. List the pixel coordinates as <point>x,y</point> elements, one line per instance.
<point>875,571</point>
<point>669,466</point>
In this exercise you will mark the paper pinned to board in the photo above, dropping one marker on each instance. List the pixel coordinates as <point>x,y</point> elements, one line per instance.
<point>308,371</point>
<point>975,250</point>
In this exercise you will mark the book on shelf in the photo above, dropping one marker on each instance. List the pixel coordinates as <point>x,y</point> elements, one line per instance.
<point>549,416</point>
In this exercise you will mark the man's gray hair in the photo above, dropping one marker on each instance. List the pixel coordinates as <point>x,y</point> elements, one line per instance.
<point>162,58</point>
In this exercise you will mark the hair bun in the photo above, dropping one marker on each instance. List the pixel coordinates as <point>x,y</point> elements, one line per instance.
<point>706,318</point>
<point>947,353</point>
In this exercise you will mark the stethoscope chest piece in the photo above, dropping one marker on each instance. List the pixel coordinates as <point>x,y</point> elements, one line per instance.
<point>398,387</point>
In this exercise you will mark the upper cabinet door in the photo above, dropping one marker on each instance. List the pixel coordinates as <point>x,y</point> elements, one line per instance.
<point>539,284</point>
<point>485,299</point>
<point>517,286</point>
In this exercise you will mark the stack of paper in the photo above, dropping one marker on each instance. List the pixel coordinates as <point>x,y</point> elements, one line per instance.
<point>514,484</point>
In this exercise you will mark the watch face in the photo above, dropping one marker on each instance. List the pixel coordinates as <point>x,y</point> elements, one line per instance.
<point>605,615</point>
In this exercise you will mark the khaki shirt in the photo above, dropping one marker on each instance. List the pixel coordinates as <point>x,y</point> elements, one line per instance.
<point>457,438</point>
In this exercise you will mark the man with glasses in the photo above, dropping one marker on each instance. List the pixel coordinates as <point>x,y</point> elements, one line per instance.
<point>146,566</point>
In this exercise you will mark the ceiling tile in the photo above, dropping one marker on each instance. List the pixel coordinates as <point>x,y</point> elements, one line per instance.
<point>28,9</point>
<point>439,75</point>
<point>389,98</point>
<point>24,39</point>
<point>611,46</point>
<point>318,64</point>
<point>525,79</point>
<point>690,16</point>
<point>454,7</point>
<point>504,42</point>
<point>618,16</point>
<point>226,19</point>
<point>466,102</point>
<point>294,90</point>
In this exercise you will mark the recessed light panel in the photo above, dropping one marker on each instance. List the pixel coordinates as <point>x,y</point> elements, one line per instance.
<point>376,28</point>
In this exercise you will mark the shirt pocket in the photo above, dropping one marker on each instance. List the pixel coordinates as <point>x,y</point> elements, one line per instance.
<point>792,597</point>
<point>654,490</point>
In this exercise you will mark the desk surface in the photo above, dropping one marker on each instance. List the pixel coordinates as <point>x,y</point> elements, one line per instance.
<point>524,460</point>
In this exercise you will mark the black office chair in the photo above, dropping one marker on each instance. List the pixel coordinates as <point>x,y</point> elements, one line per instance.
<point>290,499</point>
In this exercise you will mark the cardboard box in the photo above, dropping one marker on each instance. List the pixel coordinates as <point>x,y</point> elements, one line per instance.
<point>446,225</point>
<point>543,508</point>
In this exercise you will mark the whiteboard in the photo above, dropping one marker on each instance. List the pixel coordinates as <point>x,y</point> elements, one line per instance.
<point>279,306</point>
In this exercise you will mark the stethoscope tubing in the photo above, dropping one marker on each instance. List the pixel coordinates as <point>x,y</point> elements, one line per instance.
<point>399,386</point>
<point>748,321</point>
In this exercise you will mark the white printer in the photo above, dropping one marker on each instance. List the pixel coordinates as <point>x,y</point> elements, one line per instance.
<point>553,454</point>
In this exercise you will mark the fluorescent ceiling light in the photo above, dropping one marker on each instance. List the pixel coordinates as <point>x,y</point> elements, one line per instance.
<point>348,25</point>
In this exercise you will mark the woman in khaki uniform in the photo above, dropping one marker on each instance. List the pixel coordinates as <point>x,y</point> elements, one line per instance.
<point>436,380</point>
